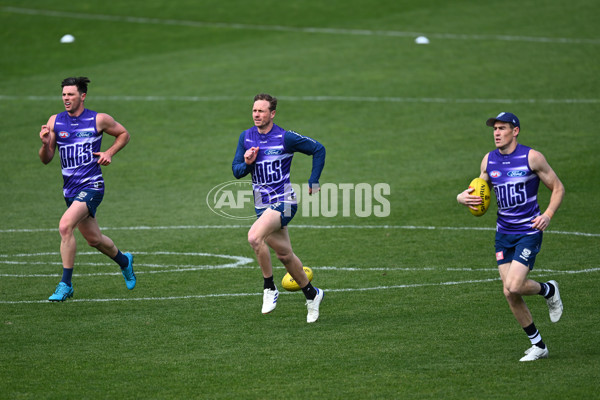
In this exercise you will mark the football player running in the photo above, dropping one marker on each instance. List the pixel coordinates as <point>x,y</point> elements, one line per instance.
<point>77,134</point>
<point>265,151</point>
<point>514,172</point>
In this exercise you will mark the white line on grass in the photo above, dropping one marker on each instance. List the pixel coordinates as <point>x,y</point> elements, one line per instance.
<point>370,99</point>
<point>280,28</point>
<point>238,262</point>
<point>167,268</point>
<point>205,296</point>
<point>242,262</point>
<point>189,268</point>
<point>391,227</point>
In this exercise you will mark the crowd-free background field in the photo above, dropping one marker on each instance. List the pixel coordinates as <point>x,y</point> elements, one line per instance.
<point>413,306</point>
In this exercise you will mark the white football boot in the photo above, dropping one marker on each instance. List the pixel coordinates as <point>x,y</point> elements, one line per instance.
<point>269,300</point>
<point>313,306</point>
<point>535,353</point>
<point>555,305</point>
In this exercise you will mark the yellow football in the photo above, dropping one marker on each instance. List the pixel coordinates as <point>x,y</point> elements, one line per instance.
<point>290,284</point>
<point>482,190</point>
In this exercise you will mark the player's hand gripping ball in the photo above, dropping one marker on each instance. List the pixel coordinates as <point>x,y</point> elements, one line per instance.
<point>290,284</point>
<point>482,190</point>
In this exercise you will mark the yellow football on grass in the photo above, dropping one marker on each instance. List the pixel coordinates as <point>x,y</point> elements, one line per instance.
<point>482,190</point>
<point>290,284</point>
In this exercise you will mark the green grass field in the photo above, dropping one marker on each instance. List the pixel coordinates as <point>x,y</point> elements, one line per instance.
<point>413,309</point>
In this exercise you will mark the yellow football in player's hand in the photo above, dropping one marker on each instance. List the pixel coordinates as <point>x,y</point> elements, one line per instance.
<point>482,190</point>
<point>290,284</point>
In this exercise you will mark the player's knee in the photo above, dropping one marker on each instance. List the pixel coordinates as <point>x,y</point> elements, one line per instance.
<point>94,241</point>
<point>285,257</point>
<point>512,289</point>
<point>507,293</point>
<point>254,240</point>
<point>65,229</point>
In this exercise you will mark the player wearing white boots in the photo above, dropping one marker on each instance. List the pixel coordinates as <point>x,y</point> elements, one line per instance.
<point>515,171</point>
<point>265,151</point>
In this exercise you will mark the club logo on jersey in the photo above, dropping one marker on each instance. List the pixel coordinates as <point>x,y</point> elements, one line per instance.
<point>84,134</point>
<point>495,174</point>
<point>273,152</point>
<point>516,173</point>
<point>63,134</point>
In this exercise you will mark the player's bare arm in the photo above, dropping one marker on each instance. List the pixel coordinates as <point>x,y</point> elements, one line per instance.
<point>483,169</point>
<point>540,166</point>
<point>48,138</point>
<point>107,124</point>
<point>465,197</point>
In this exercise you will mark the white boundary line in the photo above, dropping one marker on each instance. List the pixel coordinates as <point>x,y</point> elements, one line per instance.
<point>238,262</point>
<point>370,99</point>
<point>241,262</point>
<point>207,296</point>
<point>280,28</point>
<point>405,227</point>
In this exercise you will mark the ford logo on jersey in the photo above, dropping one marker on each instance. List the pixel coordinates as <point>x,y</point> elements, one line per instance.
<point>85,134</point>
<point>272,152</point>
<point>516,173</point>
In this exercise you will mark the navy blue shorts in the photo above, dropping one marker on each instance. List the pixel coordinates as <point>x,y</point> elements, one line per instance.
<point>287,211</point>
<point>521,248</point>
<point>92,198</point>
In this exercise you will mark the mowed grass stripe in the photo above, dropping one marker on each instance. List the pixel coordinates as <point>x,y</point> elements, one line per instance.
<point>369,99</point>
<point>282,28</point>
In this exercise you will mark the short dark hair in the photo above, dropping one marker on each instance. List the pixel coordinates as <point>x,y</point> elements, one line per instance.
<point>81,83</point>
<point>272,100</point>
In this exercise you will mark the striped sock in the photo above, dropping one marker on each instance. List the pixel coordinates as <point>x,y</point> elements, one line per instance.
<point>534,336</point>
<point>547,289</point>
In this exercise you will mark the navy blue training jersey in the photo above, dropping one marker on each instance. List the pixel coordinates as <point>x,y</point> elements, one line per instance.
<point>271,170</point>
